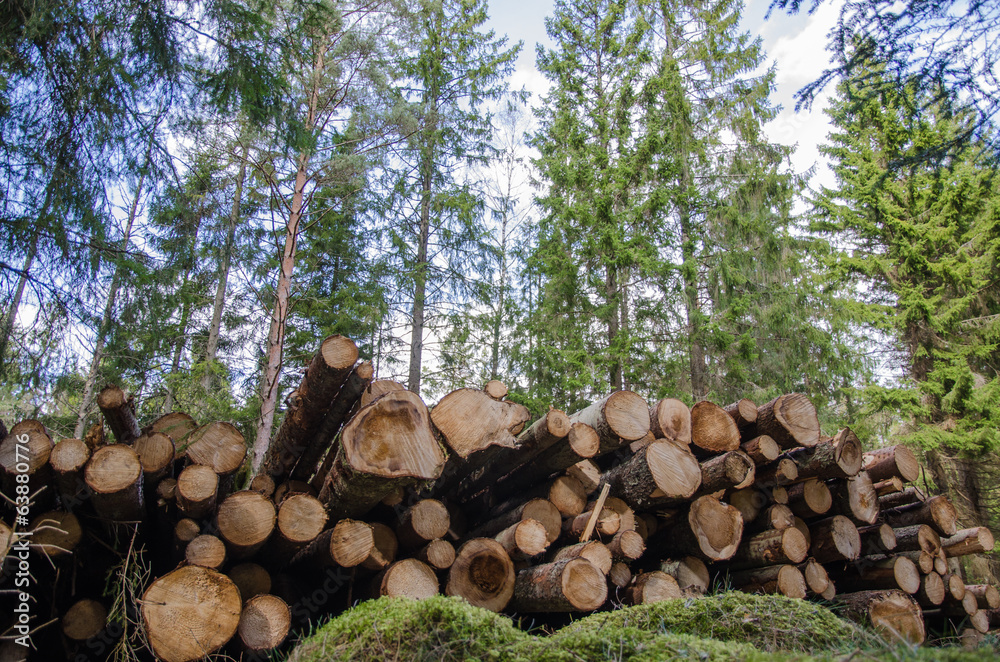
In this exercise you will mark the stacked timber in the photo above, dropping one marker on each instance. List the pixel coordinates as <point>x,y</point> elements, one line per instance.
<point>367,492</point>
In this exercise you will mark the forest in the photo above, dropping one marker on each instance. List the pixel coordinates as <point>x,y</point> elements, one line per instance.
<point>194,195</point>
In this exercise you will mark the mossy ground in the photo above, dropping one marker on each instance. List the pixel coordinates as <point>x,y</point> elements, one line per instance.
<point>728,626</point>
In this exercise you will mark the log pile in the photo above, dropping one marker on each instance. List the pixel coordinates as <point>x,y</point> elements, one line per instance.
<point>365,492</point>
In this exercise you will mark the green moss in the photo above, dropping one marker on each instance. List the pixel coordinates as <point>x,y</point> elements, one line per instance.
<point>629,643</point>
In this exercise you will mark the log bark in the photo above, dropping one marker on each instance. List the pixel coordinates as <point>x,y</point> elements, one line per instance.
<point>387,444</point>
<point>808,499</point>
<point>834,539</point>
<point>762,449</point>
<point>265,622</point>
<point>190,613</point>
<point>483,574</point>
<point>652,587</point>
<point>408,578</point>
<point>618,419</point>
<point>855,498</point>
<point>206,551</point>
<point>670,419</point>
<point>438,554</point>
<point>569,585</point>
<point>917,537</point>
<point>197,491</point>
<point>782,579</point>
<point>744,413</point>
<point>309,405</point>
<point>84,620</point>
<point>524,539</point>
<point>68,459</point>
<point>903,497</point>
<point>662,473</point>
<point>790,420</point>
<point>422,522</point>
<point>712,429</point>
<point>781,472</point>
<point>246,520</point>
<point>470,421</point>
<point>732,470</point>
<point>937,512</point>
<point>840,457</point>
<point>977,540</point>
<point>894,614</point>
<point>785,546</point>
<point>898,461</point>
<point>690,573</point>
<point>114,476</point>
<point>119,413</point>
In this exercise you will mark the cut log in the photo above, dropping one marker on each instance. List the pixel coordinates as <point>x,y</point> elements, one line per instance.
<point>377,389</point>
<point>119,413</point>
<point>607,523</point>
<point>175,425</point>
<point>855,498</point>
<point>838,458</point>
<point>348,544</point>
<point>185,531</point>
<point>779,494</point>
<point>588,473</point>
<point>217,445</point>
<point>620,575</point>
<point>114,476</point>
<point>834,539</point>
<point>251,579</point>
<point>762,449</point>
<point>662,473</point>
<point>595,552</point>
<point>712,429</point>
<point>340,411</point>
<point>712,530</point>
<point>190,613</point>
<point>781,472</point>
<point>670,419</point>
<point>439,554</point>
<point>937,512</point>
<point>264,623</point>
<point>68,459</point>
<point>954,586</point>
<point>496,389</point>
<point>902,497</point>
<point>790,420</point>
<point>977,540</point>
<point>263,484</point>
<point>300,520</point>
<point>917,537</point>
<point>524,539</point>
<point>783,579</point>
<point>987,596</point>
<point>483,574</point>
<point>470,420</point>
<point>84,620</point>
<point>618,419</point>
<point>626,516</point>
<point>896,461</point>
<point>771,548</point>
<point>651,587</point>
<point>749,502</point>
<point>308,406</point>
<point>732,470</point>
<point>932,591</point>
<point>897,572</point>
<point>626,545</point>
<point>156,455</point>
<point>206,551</point>
<point>817,579</point>
<point>25,451</point>
<point>291,488</point>
<point>387,444</point>
<point>246,520</point>
<point>894,614</point>
<point>877,539</point>
<point>408,578</point>
<point>690,573</point>
<point>197,488</point>
<point>569,585</point>
<point>776,517</point>
<point>422,522</point>
<point>384,550</point>
<point>810,498</point>
<point>744,413</point>
<point>54,534</point>
<point>889,486</point>
<point>541,510</point>
<point>941,563</point>
<point>803,528</point>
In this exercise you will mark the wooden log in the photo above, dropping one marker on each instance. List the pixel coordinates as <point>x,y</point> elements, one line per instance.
<point>422,522</point>
<point>483,574</point>
<point>55,534</point>
<point>595,552</point>
<point>771,548</point>
<point>980,622</point>
<point>890,485</point>
<point>761,449</point>
<point>207,551</point>
<point>941,563</point>
<point>977,540</point>
<point>263,484</point>
<point>541,510</point>
<point>885,463</point>
<point>651,587</point>
<point>840,457</point>
<point>689,571</point>
<point>811,498</point>
<point>894,614</point>
<point>987,596</point>
<point>588,473</point>
<point>114,476</point>
<point>386,445</point>
<point>439,554</point>
<point>156,455</point>
<point>377,389</point>
<point>626,545</point>
<point>348,544</point>
<point>408,578</point>
<point>626,516</point>
<point>816,577</point>
<point>936,511</point>
<point>774,517</point>
<point>779,493</point>
<point>25,451</point>
<point>917,537</point>
<point>264,623</point>
<point>618,419</point>
<point>119,413</point>
<point>68,459</point>
<point>524,539</point>
<point>300,520</point>
<point>834,539</point>
<point>197,490</point>
<point>190,613</point>
<point>781,472</point>
<point>620,575</point>
<point>712,530</point>
<point>712,429</point>
<point>744,413</point>
<point>855,498</point>
<point>732,470</point>
<point>897,572</point>
<point>175,425</point>
<point>84,620</point>
<point>903,497</point>
<point>569,585</point>
<point>670,419</point>
<point>384,549</point>
<point>251,579</point>
<point>932,591</point>
<point>344,404</point>
<point>308,406</point>
<point>782,579</point>
<point>246,520</point>
<point>803,528</point>
<point>217,445</point>
<point>749,501</point>
<point>291,488</point>
<point>496,389</point>
<point>662,473</point>
<point>185,530</point>
<point>790,420</point>
<point>877,539</point>
<point>470,420</point>
<point>954,586</point>
<point>923,560</point>
<point>607,523</point>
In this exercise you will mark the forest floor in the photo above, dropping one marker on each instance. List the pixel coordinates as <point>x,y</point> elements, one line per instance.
<point>722,627</point>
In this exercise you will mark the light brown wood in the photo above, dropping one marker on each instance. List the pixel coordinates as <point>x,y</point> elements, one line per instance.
<point>662,473</point>
<point>196,491</point>
<point>114,476</point>
<point>877,539</point>
<point>885,463</point>
<point>834,539</point>
<point>482,573</point>
<point>670,419</point>
<point>588,473</point>
<point>251,579</point>
<point>618,419</point>
<point>422,522</point>
<point>264,623</point>
<point>568,585</point>
<point>840,457</point>
<point>54,534</point>
<point>185,531</point>
<point>652,587</point>
<point>919,536</point>
<point>595,552</point>
<point>246,520</point>
<point>803,528</point>
<point>816,577</point>
<point>206,551</point>
<point>790,420</point>
<point>932,591</point>
<point>606,523</point>
<point>190,613</point>
<point>291,488</point>
<point>937,511</point>
<point>348,544</point>
<point>977,540</point>
<point>744,413</point>
<point>732,470</point>
<point>855,498</point>
<point>894,614</point>
<point>955,586</point>
<point>811,498</point>
<point>780,472</point>
<point>626,515</point>
<point>119,413</point>
<point>84,620</point>
<point>620,575</point>
<point>263,484</point>
<point>627,545</point>
<point>987,596</point>
<point>524,539</point>
<point>782,579</point>
<point>470,420</point>
<point>690,573</point>
<point>385,548</point>
<point>496,389</point>
<point>890,485</point>
<point>68,459</point>
<point>377,389</point>
<point>439,554</point>
<point>542,510</point>
<point>408,578</point>
<point>749,501</point>
<point>156,455</point>
<point>896,572</point>
<point>217,445</point>
<point>771,548</point>
<point>176,425</point>
<point>712,429</point>
<point>712,530</point>
<point>762,449</point>
<point>300,520</point>
<point>26,450</point>
<point>567,495</point>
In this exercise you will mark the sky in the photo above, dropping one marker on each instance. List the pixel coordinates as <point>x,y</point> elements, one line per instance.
<point>796,45</point>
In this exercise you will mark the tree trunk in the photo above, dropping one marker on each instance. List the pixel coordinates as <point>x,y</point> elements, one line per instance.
<point>246,520</point>
<point>712,429</point>
<point>264,624</point>
<point>15,303</point>
<point>894,614</point>
<point>420,269</point>
<point>662,473</point>
<point>119,413</point>
<point>483,574</point>
<point>785,580</point>
<point>838,458</point>
<point>790,420</point>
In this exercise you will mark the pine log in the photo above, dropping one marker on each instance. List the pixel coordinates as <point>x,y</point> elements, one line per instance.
<point>917,537</point>
<point>264,623</point>
<point>810,498</point>
<point>977,540</point>
<point>594,551</point>
<point>932,591</point>
<point>771,548</point>
<point>790,420</point>
<point>377,389</point>
<point>439,554</point>
<point>783,579</point>
<point>620,575</point>
<point>954,586</point>
<point>903,497</point>
<point>344,404</point>
<point>156,455</point>
<point>387,444</point>
<point>524,539</point>
<point>114,476</point>
<point>207,551</point>
<point>803,528</point>
<point>627,545</point>
<point>732,470</point>
<point>744,413</point>
<point>84,620</point>
<point>762,449</point>
<point>651,587</point>
<point>300,520</point>
<point>496,389</point>
<point>890,485</point>
<point>176,425</point>
<point>564,492</point>
<point>987,596</point>
<point>348,544</point>
<point>470,420</point>
<point>712,429</point>
<point>923,560</point>
<point>749,501</point>
<point>839,457</point>
<point>712,530</point>
<point>384,549</point>
<point>68,459</point>
<point>689,571</point>
<point>778,493</point>
<point>408,578</point>
<point>217,445</point>
<point>780,472</point>
<point>483,574</point>
<point>834,539</point>
<point>937,512</point>
<point>308,406</point>
<point>662,473</point>
<point>894,614</point>
<point>568,585</point>
<point>980,622</point>
<point>197,489</point>
<point>607,523</point>
<point>185,530</point>
<point>618,419</point>
<point>291,488</point>
<point>422,522</point>
<point>817,579</point>
<point>119,412</point>
<point>246,520</point>
<point>190,613</point>
<point>774,517</point>
<point>626,516</point>
<point>898,461</point>
<point>263,484</point>
<point>896,572</point>
<point>25,451</point>
<point>588,473</point>
<point>941,563</point>
<point>251,579</point>
<point>54,534</point>
<point>877,539</point>
<point>541,510</point>
<point>855,498</point>
<point>670,419</point>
